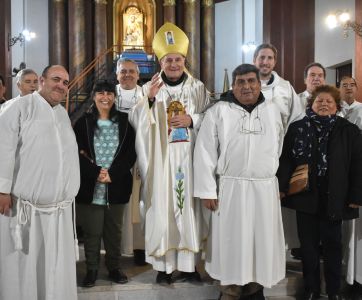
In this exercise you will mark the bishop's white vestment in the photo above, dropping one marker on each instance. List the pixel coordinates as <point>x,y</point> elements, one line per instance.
<point>172,217</point>
<point>39,167</point>
<point>352,230</point>
<point>235,161</point>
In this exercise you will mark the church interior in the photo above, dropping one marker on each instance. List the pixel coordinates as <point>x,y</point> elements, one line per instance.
<point>88,37</point>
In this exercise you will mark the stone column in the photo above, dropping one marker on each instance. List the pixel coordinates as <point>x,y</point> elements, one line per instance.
<point>192,30</point>
<point>169,11</point>
<point>208,44</point>
<point>58,36</point>
<point>77,44</point>
<point>100,30</point>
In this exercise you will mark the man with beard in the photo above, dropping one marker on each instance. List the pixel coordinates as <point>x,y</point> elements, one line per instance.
<point>275,88</point>
<point>39,178</point>
<point>314,75</point>
<point>166,120</point>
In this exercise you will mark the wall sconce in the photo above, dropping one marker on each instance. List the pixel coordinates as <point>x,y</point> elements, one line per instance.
<point>343,19</point>
<point>26,35</point>
<point>249,46</point>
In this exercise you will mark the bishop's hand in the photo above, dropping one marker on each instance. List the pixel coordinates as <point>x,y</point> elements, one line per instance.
<point>156,84</point>
<point>181,121</point>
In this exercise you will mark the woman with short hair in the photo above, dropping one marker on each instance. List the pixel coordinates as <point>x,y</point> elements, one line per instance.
<point>332,148</point>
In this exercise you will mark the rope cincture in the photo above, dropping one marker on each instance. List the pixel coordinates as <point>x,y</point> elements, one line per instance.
<point>22,219</point>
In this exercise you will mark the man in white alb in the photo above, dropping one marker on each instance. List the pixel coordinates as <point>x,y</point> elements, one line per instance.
<point>39,178</point>
<point>235,161</point>
<point>127,89</point>
<point>274,87</point>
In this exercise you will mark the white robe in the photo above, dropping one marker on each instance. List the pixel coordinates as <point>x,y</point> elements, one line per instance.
<point>39,166</point>
<point>352,230</point>
<point>246,241</point>
<point>172,232</point>
<point>281,92</point>
<point>126,99</point>
<point>304,98</point>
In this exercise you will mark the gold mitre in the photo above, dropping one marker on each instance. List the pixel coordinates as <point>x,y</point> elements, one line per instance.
<point>170,39</point>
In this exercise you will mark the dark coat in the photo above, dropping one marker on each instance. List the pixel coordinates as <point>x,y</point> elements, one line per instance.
<point>344,173</point>
<point>119,190</point>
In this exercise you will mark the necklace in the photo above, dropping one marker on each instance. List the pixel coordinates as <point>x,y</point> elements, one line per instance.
<point>131,102</point>
<point>172,97</point>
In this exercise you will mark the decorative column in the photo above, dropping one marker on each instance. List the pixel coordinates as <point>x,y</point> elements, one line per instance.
<point>100,30</point>
<point>192,30</point>
<point>58,35</point>
<point>169,11</point>
<point>208,44</point>
<point>77,44</point>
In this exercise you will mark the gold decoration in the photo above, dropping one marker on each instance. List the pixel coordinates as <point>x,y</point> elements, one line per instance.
<point>190,1</point>
<point>207,3</point>
<point>132,28</point>
<point>101,2</point>
<point>170,39</point>
<point>226,82</point>
<point>169,2</point>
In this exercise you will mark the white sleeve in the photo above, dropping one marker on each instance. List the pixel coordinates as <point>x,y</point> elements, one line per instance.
<point>9,137</point>
<point>206,158</point>
<point>297,111</point>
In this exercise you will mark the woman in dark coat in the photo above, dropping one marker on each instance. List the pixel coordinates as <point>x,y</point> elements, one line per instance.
<point>332,148</point>
<point>106,153</point>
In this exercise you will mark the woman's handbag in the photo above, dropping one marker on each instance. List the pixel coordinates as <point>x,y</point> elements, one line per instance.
<point>299,181</point>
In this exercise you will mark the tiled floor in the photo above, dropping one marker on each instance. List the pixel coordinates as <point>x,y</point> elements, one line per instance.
<point>142,285</point>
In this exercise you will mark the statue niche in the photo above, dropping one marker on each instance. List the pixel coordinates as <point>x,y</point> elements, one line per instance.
<point>133,28</point>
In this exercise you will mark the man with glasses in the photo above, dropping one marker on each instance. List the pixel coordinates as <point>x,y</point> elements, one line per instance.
<point>127,90</point>
<point>349,104</point>
<point>39,178</point>
<point>235,161</point>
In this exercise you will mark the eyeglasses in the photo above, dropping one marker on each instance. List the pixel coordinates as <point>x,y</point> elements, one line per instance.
<point>254,126</point>
<point>125,71</point>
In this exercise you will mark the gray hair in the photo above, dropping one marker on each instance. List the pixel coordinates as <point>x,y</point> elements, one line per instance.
<point>22,73</point>
<point>124,60</point>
